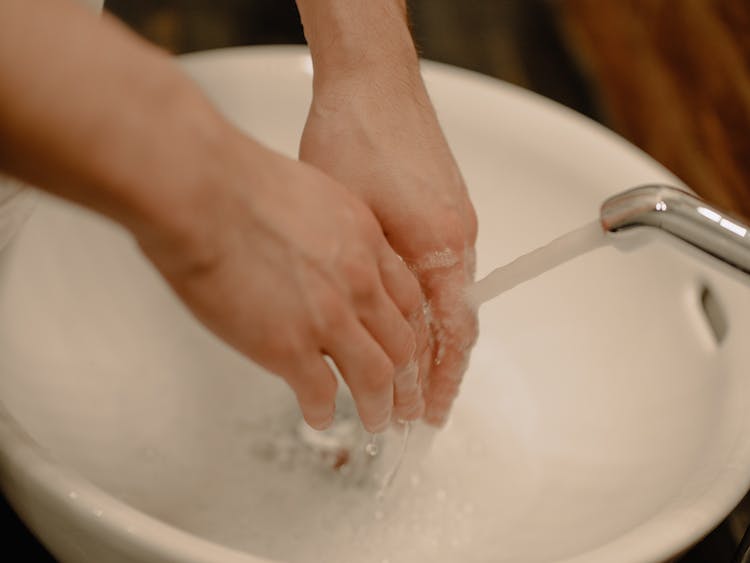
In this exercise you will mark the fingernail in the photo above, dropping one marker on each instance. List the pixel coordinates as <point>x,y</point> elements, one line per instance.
<point>321,425</point>
<point>382,426</point>
<point>413,411</point>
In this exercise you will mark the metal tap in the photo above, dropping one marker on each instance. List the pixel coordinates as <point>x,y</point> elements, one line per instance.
<point>684,216</point>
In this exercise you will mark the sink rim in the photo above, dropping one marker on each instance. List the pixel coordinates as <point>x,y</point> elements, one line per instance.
<point>26,460</point>
<point>31,466</point>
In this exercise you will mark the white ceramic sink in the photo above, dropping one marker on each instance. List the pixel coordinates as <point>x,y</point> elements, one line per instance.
<point>600,421</point>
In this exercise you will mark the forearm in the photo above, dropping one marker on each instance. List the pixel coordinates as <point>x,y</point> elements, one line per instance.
<point>358,37</point>
<point>92,113</point>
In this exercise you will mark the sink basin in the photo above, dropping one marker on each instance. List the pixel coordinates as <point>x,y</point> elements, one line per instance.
<point>603,418</point>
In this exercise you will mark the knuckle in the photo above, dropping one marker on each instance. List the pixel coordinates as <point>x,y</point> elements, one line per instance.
<point>334,316</point>
<point>361,276</point>
<point>283,343</point>
<point>328,312</point>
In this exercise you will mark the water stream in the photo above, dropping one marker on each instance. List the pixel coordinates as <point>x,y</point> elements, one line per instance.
<point>528,266</point>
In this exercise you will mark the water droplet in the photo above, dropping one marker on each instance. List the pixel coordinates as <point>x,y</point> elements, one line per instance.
<point>73,495</point>
<point>98,512</point>
<point>371,448</point>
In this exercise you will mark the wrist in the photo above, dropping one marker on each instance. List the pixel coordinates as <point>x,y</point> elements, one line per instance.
<point>169,192</point>
<point>349,39</point>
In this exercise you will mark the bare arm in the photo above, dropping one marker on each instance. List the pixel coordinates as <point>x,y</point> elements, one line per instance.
<point>76,91</point>
<point>358,37</point>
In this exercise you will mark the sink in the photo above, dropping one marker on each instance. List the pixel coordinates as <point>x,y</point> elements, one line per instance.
<point>603,418</point>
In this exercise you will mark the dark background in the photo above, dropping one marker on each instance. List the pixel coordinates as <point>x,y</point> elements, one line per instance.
<point>673,76</point>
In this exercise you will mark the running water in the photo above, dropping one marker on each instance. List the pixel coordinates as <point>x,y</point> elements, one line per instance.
<point>391,474</point>
<point>528,266</point>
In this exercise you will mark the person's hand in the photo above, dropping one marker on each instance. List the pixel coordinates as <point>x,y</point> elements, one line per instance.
<point>287,266</point>
<point>280,260</point>
<point>378,134</point>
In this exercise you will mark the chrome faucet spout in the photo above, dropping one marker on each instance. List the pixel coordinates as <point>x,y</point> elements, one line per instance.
<point>684,216</point>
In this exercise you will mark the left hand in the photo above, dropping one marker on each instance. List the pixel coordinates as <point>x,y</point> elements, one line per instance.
<point>379,136</point>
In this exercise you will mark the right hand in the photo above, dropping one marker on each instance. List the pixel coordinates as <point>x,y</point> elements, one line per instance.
<point>287,265</point>
<point>278,259</point>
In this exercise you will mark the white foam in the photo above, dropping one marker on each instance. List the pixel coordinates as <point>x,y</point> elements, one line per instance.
<point>439,259</point>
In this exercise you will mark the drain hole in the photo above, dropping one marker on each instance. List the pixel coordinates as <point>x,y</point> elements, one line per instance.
<point>714,314</point>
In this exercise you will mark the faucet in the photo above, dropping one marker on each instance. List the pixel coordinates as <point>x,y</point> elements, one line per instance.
<point>682,215</point>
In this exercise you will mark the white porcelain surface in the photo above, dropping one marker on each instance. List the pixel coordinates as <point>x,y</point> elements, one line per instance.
<point>612,428</point>
<point>16,203</point>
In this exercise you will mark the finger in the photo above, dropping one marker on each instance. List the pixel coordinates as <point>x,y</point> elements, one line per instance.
<point>454,325</point>
<point>404,289</point>
<point>408,403</point>
<point>315,387</point>
<point>443,388</point>
<point>382,319</point>
<point>395,335</point>
<point>367,370</point>
<point>409,382</point>
<point>400,283</point>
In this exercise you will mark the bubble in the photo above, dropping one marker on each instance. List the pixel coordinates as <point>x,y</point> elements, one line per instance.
<point>436,260</point>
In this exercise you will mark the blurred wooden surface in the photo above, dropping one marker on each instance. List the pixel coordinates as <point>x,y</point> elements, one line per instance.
<point>673,76</point>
